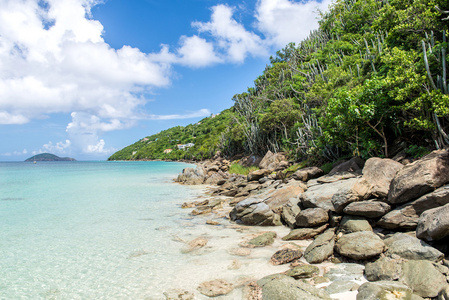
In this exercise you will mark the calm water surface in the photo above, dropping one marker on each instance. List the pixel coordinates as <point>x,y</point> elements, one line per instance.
<point>90,230</point>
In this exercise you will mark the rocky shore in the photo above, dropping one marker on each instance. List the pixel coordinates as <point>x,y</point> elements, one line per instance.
<point>375,229</point>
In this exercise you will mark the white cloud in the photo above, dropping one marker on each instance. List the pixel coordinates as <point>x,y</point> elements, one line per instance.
<point>196,52</point>
<point>231,37</point>
<point>58,148</point>
<point>196,114</point>
<point>285,21</point>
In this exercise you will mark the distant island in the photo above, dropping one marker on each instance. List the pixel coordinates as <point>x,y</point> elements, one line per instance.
<point>49,157</point>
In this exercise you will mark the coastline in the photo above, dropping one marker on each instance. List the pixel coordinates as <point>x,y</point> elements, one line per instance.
<point>339,275</point>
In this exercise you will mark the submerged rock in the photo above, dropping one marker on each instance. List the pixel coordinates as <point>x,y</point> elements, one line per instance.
<point>285,256</point>
<point>215,288</point>
<point>264,239</point>
<point>303,271</point>
<point>384,290</point>
<point>178,294</point>
<point>195,244</point>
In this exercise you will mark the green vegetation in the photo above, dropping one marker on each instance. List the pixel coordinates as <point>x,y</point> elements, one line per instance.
<point>371,81</point>
<point>236,168</point>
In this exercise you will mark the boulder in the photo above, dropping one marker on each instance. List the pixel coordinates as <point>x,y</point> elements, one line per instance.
<point>306,174</point>
<point>420,177</point>
<point>360,245</point>
<point>271,160</point>
<point>353,224</point>
<point>257,175</point>
<point>341,286</point>
<point>303,271</point>
<point>191,177</point>
<point>332,178</point>
<point>347,195</point>
<point>406,216</point>
<point>311,217</point>
<point>385,268</point>
<point>285,256</point>
<point>282,287</point>
<point>215,288</point>
<point>367,209</point>
<point>214,178</point>
<point>265,209</point>
<point>304,233</point>
<point>289,213</point>
<point>355,164</point>
<point>345,272</point>
<point>422,276</point>
<point>321,195</point>
<point>409,247</point>
<point>433,224</point>
<point>321,248</point>
<point>378,174</point>
<point>383,290</point>
<point>250,161</point>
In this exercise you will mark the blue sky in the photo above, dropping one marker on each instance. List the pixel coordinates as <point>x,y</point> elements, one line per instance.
<point>85,78</point>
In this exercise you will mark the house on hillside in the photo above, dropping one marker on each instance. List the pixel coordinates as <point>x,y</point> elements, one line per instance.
<point>185,146</point>
<point>166,151</point>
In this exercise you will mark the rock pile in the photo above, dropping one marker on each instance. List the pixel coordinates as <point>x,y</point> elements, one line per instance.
<point>364,212</point>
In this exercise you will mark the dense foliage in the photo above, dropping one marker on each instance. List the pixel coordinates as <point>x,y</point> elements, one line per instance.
<point>371,81</point>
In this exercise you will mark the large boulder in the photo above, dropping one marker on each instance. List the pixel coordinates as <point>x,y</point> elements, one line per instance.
<point>360,245</point>
<point>433,224</point>
<point>348,194</point>
<point>264,209</point>
<point>282,287</point>
<point>320,195</point>
<point>420,177</point>
<point>422,276</point>
<point>311,217</point>
<point>321,248</point>
<point>350,224</point>
<point>289,212</point>
<point>367,209</point>
<point>409,247</point>
<point>271,160</point>
<point>191,176</point>
<point>378,174</point>
<point>257,174</point>
<point>383,290</point>
<point>306,174</point>
<point>406,216</point>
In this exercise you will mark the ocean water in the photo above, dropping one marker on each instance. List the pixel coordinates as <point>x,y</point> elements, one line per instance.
<point>110,230</point>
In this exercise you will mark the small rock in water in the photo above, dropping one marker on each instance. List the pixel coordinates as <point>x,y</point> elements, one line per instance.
<point>303,271</point>
<point>264,239</point>
<point>252,291</point>
<point>285,256</point>
<point>178,294</point>
<point>195,244</point>
<point>235,265</point>
<point>211,222</point>
<point>239,251</point>
<point>215,288</point>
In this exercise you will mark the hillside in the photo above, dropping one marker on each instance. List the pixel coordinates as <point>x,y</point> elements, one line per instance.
<point>48,157</point>
<point>371,81</point>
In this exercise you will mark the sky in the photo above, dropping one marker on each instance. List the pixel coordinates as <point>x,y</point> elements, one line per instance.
<point>85,78</point>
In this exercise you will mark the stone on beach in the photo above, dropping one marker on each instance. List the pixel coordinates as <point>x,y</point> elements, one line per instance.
<point>433,224</point>
<point>385,268</point>
<point>384,290</point>
<point>304,233</point>
<point>409,247</point>
<point>306,174</point>
<point>311,217</point>
<point>321,248</point>
<point>368,209</point>
<point>215,288</point>
<point>350,224</point>
<point>360,245</point>
<point>282,287</point>
<point>285,256</point>
<point>422,276</point>
<point>303,271</point>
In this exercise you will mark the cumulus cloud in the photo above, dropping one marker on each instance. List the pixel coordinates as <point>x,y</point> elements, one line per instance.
<point>235,42</point>
<point>58,148</point>
<point>285,21</point>
<point>197,52</point>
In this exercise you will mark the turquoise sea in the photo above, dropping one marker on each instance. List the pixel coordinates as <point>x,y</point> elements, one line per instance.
<point>90,230</point>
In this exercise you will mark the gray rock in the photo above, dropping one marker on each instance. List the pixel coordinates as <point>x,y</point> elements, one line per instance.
<point>311,217</point>
<point>353,224</point>
<point>406,216</point>
<point>257,174</point>
<point>385,268</point>
<point>444,293</point>
<point>306,174</point>
<point>345,272</point>
<point>368,209</point>
<point>321,248</point>
<point>282,287</point>
<point>347,195</point>
<point>433,224</point>
<point>341,286</point>
<point>320,195</point>
<point>250,161</point>
<point>285,256</point>
<point>409,247</point>
<point>289,213</point>
<point>332,178</point>
<point>215,288</point>
<point>190,176</point>
<point>420,177</point>
<point>271,160</point>
<point>304,233</point>
<point>360,245</point>
<point>378,174</point>
<point>303,271</point>
<point>427,282</point>
<point>384,290</point>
